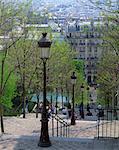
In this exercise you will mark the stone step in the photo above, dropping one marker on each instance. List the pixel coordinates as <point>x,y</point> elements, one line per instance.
<point>31,143</point>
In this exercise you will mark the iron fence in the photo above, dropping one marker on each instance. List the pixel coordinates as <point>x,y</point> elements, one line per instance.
<point>108,123</point>
<point>60,127</point>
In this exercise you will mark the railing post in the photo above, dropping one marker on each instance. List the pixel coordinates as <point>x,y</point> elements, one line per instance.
<point>57,127</point>
<point>60,128</point>
<point>98,126</point>
<point>63,125</point>
<point>52,125</point>
<point>63,129</point>
<point>66,130</point>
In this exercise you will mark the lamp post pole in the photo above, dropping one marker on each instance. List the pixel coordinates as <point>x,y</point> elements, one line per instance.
<point>73,79</point>
<point>72,116</point>
<point>44,44</point>
<point>37,109</point>
<point>56,99</point>
<point>82,109</point>
<point>62,96</point>
<point>44,138</point>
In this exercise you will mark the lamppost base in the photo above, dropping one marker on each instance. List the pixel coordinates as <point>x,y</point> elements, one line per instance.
<point>73,122</point>
<point>82,115</point>
<point>44,144</point>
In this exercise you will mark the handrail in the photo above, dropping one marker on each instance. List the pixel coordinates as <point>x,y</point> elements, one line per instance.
<point>61,128</point>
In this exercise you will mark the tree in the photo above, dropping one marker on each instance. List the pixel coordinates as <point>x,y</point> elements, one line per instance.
<point>60,67</point>
<point>7,86</point>
<point>79,64</point>
<point>26,59</point>
<point>8,15</point>
<point>109,64</point>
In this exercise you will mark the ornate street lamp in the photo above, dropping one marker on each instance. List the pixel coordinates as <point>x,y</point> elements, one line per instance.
<point>44,44</point>
<point>73,81</point>
<point>82,109</point>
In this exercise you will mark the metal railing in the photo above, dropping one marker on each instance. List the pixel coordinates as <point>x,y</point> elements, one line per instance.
<point>60,127</point>
<point>108,124</point>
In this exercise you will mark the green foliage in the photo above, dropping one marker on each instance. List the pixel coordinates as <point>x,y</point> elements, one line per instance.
<point>60,64</point>
<point>9,89</point>
<point>79,64</point>
<point>108,74</point>
<point>11,112</point>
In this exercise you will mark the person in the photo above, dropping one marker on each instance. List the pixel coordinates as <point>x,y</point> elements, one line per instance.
<point>49,112</point>
<point>26,107</point>
<point>53,109</point>
<point>40,106</point>
<point>81,109</point>
<point>99,106</point>
<point>65,112</point>
<point>89,113</point>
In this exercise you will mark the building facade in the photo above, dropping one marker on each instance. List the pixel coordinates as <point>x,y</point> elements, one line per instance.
<point>84,36</point>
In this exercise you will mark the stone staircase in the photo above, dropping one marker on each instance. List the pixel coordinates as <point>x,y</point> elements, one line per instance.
<point>58,143</point>
<point>23,134</point>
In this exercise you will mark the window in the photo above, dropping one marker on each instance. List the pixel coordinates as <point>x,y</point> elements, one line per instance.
<point>89,79</point>
<point>82,49</point>
<point>89,55</point>
<point>82,42</point>
<point>90,49</point>
<point>94,79</point>
<point>95,55</point>
<point>95,49</point>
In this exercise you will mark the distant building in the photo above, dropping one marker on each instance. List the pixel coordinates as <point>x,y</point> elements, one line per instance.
<point>85,37</point>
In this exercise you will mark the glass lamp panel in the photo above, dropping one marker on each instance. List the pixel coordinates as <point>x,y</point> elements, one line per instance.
<point>73,81</point>
<point>82,89</point>
<point>44,52</point>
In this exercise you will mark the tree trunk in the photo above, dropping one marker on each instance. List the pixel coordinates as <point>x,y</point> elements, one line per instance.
<point>2,125</point>
<point>24,102</point>
<point>1,107</point>
<point>23,84</point>
<point>1,119</point>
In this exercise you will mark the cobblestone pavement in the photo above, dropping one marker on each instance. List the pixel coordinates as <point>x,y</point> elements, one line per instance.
<point>23,134</point>
<point>31,125</point>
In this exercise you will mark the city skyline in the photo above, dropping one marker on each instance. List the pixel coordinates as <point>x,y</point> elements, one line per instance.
<point>82,8</point>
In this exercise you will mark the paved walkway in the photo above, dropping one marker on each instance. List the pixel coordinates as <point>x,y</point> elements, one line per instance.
<point>31,125</point>
<point>23,134</point>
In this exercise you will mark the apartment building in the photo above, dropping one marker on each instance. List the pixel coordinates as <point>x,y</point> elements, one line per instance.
<point>85,37</point>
